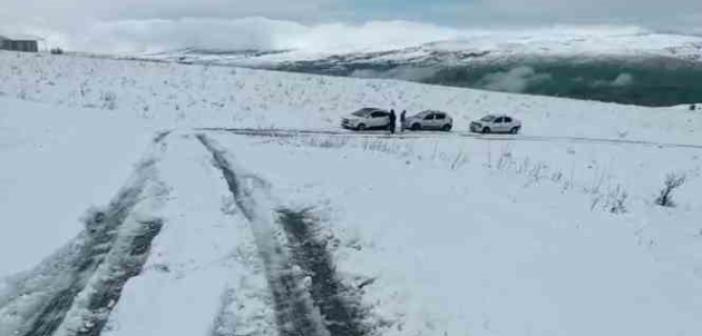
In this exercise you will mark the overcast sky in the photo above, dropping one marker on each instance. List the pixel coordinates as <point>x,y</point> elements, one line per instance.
<point>69,21</point>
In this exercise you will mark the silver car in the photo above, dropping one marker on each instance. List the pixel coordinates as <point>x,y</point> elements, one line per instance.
<point>366,118</point>
<point>496,124</point>
<point>429,120</point>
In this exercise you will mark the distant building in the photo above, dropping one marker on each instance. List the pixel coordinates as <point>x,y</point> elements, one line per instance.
<point>19,44</point>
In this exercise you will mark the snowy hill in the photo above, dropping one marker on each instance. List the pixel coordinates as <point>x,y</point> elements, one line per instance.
<point>472,46</point>
<point>161,199</point>
<point>210,96</point>
<point>630,66</point>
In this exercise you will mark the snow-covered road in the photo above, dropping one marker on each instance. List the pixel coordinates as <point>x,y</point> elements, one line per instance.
<point>439,135</point>
<point>74,291</point>
<point>319,308</point>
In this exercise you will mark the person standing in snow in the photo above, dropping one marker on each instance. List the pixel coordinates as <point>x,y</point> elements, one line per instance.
<point>393,119</point>
<point>402,120</point>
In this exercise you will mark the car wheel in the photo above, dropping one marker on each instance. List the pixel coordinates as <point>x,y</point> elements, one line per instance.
<point>486,130</point>
<point>361,127</point>
<point>416,127</point>
<point>446,128</point>
<point>514,130</point>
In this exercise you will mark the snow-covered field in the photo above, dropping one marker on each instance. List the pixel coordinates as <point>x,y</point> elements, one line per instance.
<point>553,232</point>
<point>173,95</point>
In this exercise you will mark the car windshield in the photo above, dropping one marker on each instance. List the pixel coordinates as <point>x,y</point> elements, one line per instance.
<point>488,118</point>
<point>421,114</point>
<point>363,112</point>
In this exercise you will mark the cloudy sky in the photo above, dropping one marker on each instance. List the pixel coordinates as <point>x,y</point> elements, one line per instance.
<point>128,24</point>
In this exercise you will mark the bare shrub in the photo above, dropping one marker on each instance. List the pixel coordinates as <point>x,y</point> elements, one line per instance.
<point>459,160</point>
<point>672,182</point>
<point>615,200</point>
<point>505,161</point>
<point>536,173</point>
<point>328,142</point>
<point>109,100</point>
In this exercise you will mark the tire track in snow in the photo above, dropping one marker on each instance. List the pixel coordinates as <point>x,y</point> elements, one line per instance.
<point>102,229</point>
<point>108,289</point>
<point>85,282</point>
<point>225,323</point>
<point>287,133</point>
<point>102,239</point>
<point>340,305</point>
<point>295,311</point>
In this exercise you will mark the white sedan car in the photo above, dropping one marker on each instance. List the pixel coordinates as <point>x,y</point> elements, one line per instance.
<point>366,118</point>
<point>496,124</point>
<point>429,120</point>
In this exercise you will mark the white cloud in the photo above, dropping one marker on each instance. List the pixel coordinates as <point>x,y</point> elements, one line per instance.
<point>137,36</point>
<point>514,80</point>
<point>159,35</point>
<point>74,21</point>
<point>389,34</point>
<point>67,11</point>
<point>133,25</point>
<point>602,10</point>
<point>622,80</point>
<point>74,13</point>
<point>154,35</point>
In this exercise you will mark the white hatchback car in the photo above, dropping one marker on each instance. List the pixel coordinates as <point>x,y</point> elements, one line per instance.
<point>429,120</point>
<point>366,118</point>
<point>496,124</point>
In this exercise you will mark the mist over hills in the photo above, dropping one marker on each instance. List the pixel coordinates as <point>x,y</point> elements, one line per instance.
<point>649,81</point>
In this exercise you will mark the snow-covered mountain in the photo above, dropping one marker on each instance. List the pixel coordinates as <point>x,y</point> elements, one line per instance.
<point>148,198</point>
<point>626,66</point>
<point>475,46</point>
